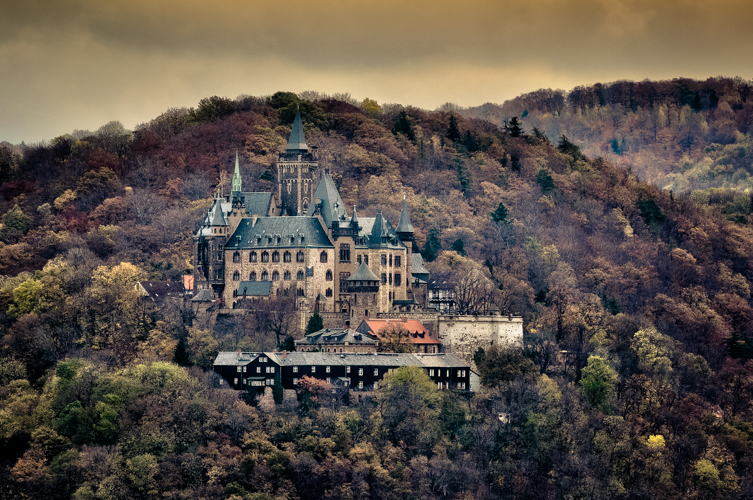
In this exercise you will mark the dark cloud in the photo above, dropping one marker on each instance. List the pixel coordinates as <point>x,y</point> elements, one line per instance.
<point>68,63</point>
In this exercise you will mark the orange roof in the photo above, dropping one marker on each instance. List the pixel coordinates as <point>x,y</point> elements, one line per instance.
<point>188,282</point>
<point>417,332</point>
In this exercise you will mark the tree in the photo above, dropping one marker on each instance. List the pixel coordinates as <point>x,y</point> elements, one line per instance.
<point>432,246</point>
<point>500,214</point>
<point>277,315</point>
<point>394,338</point>
<point>15,224</point>
<point>181,356</point>
<point>409,404</point>
<point>212,108</point>
<point>598,383</point>
<point>544,179</point>
<point>514,127</point>
<point>453,132</point>
<point>504,364</point>
<point>404,126</point>
<point>278,392</point>
<point>315,323</point>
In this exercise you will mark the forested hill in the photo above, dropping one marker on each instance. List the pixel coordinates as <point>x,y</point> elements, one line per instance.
<point>636,379</point>
<point>681,134</point>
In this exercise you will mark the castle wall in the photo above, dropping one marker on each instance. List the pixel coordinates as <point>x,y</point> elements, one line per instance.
<point>463,335</point>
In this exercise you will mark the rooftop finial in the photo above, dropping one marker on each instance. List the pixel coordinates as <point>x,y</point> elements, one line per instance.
<point>236,175</point>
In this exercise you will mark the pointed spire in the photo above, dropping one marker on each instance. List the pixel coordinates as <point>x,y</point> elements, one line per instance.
<point>404,227</point>
<point>216,217</point>
<point>237,175</point>
<point>377,231</point>
<point>297,141</point>
<point>354,219</point>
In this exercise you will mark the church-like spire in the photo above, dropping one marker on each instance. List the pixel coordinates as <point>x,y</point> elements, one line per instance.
<point>237,175</point>
<point>404,227</point>
<point>297,141</point>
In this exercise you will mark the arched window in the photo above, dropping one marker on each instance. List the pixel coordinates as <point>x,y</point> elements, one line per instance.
<point>236,276</point>
<point>300,292</point>
<point>264,275</point>
<point>236,257</point>
<point>328,293</point>
<point>328,276</point>
<point>323,257</point>
<point>265,256</point>
<point>252,257</point>
<point>287,257</point>
<point>275,275</point>
<point>299,256</point>
<point>275,256</point>
<point>286,276</point>
<point>253,276</point>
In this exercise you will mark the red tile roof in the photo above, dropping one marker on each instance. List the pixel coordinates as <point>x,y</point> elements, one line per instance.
<point>418,334</point>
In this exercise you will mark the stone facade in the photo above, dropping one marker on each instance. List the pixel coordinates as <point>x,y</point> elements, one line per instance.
<point>463,335</point>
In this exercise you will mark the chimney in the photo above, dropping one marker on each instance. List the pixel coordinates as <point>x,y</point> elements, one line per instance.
<point>284,354</point>
<point>404,320</point>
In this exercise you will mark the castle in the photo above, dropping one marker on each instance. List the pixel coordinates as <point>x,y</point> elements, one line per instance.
<point>304,242</point>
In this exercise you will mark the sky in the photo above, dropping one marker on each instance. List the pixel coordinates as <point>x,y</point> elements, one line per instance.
<point>78,64</point>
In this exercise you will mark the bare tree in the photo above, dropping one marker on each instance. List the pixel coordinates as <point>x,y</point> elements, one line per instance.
<point>278,315</point>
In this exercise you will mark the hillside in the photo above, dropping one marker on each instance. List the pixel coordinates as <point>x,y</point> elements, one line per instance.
<point>646,291</point>
<point>681,135</point>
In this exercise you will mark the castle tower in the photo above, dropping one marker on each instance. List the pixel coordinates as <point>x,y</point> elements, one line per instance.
<point>405,233</point>
<point>297,172</point>
<point>209,249</point>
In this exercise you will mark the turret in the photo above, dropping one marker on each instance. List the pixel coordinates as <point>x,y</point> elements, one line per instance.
<point>236,177</point>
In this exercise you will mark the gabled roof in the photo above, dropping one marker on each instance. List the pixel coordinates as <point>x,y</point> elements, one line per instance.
<point>306,232</point>
<point>332,206</point>
<point>159,290</point>
<point>370,232</point>
<point>254,288</point>
<point>298,358</point>
<point>235,358</point>
<point>417,332</point>
<point>257,203</point>
<point>297,141</point>
<point>417,265</point>
<point>363,273</point>
<point>204,295</point>
<point>404,226</point>
<point>337,336</point>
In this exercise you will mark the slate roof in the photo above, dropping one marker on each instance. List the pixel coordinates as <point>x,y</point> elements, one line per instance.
<point>404,226</point>
<point>158,290</point>
<point>254,288</point>
<point>444,360</point>
<point>372,236</point>
<point>204,295</point>
<point>257,203</point>
<point>332,206</point>
<point>235,358</point>
<point>338,336</point>
<point>417,265</point>
<point>254,236</point>
<point>363,273</point>
<point>297,141</point>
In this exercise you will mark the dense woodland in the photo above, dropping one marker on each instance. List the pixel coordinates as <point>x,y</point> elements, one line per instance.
<point>635,380</point>
<point>682,135</point>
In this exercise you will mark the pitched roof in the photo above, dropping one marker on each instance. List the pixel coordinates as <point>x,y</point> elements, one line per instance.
<point>363,273</point>
<point>254,288</point>
<point>337,336</point>
<point>417,332</point>
<point>158,290</point>
<point>332,206</point>
<point>216,217</point>
<point>204,295</point>
<point>404,226</point>
<point>298,358</point>
<point>257,203</point>
<point>375,238</point>
<point>235,358</point>
<point>305,232</point>
<point>297,141</point>
<point>417,265</point>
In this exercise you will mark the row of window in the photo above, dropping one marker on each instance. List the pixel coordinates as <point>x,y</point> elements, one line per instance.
<point>286,257</point>
<point>440,385</point>
<point>386,259</point>
<point>270,369</point>
<point>327,369</point>
<point>286,276</point>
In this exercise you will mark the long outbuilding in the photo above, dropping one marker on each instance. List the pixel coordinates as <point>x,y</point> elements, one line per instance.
<point>357,371</point>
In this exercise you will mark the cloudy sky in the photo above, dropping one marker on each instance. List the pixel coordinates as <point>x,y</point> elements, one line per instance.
<point>78,64</point>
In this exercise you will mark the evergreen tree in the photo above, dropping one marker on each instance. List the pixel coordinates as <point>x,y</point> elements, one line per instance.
<point>181,356</point>
<point>514,127</point>
<point>453,132</point>
<point>500,214</point>
<point>458,246</point>
<point>404,126</point>
<point>616,147</point>
<point>544,179</point>
<point>278,392</point>
<point>315,323</point>
<point>288,344</point>
<point>267,176</point>
<point>432,246</point>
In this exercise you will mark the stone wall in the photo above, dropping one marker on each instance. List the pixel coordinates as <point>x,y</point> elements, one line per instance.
<point>463,335</point>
